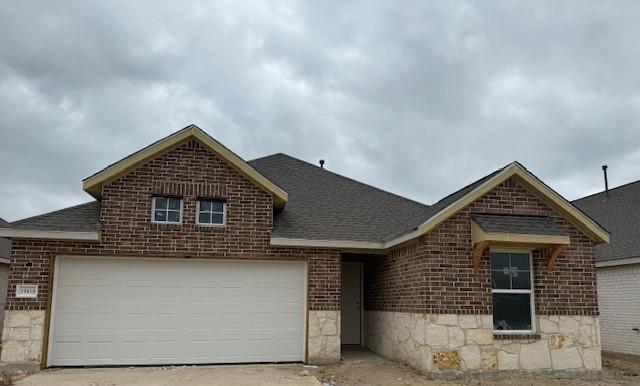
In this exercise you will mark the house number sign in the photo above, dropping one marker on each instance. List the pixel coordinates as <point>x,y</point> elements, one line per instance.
<point>26,290</point>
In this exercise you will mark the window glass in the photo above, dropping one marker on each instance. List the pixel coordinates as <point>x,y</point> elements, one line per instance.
<point>520,261</point>
<point>211,212</point>
<point>174,203</point>
<point>511,291</point>
<point>511,311</point>
<point>501,279</point>
<point>520,279</point>
<point>167,209</point>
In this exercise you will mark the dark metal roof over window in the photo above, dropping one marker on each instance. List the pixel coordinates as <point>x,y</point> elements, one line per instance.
<point>619,213</point>
<point>528,225</point>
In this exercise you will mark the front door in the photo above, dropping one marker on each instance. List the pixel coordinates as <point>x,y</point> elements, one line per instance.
<point>351,306</point>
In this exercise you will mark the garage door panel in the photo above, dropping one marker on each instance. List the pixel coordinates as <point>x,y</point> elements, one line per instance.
<point>137,311</point>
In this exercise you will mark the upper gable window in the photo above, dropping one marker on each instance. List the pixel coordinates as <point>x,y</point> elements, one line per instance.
<point>211,212</point>
<point>167,210</point>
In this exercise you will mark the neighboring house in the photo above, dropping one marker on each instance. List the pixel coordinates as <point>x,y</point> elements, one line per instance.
<point>618,266</point>
<point>5,259</point>
<point>191,255</point>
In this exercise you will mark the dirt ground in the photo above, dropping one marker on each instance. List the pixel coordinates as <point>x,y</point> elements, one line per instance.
<point>241,375</point>
<point>369,370</point>
<point>617,370</point>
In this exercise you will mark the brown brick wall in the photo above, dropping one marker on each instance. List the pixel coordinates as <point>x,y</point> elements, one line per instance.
<point>189,171</point>
<point>436,273</point>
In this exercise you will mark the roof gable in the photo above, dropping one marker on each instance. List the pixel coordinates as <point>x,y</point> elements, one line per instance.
<point>93,184</point>
<point>450,205</point>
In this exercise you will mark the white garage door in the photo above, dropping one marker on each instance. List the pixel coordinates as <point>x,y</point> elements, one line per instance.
<point>157,311</point>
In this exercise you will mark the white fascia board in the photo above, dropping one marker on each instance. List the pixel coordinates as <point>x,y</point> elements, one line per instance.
<point>291,242</point>
<point>613,263</point>
<point>49,235</point>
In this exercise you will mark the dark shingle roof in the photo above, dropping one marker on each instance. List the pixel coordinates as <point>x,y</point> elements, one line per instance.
<point>532,225</point>
<point>5,244</point>
<point>79,218</point>
<point>326,206</point>
<point>619,213</point>
<point>426,213</point>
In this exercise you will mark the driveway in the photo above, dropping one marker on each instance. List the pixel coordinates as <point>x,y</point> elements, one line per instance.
<point>249,375</point>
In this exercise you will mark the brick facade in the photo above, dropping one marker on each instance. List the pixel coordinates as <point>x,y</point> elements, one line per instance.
<point>192,172</point>
<point>435,274</point>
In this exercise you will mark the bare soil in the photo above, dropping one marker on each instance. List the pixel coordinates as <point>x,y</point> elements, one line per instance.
<point>617,370</point>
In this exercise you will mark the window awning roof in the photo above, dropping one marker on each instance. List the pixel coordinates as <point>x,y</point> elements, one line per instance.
<point>495,227</point>
<point>511,230</point>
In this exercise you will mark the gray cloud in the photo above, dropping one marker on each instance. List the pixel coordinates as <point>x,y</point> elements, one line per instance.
<point>419,100</point>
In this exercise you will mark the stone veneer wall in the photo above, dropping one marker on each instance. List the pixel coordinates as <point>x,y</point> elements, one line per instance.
<point>22,336</point>
<point>450,345</point>
<point>323,341</point>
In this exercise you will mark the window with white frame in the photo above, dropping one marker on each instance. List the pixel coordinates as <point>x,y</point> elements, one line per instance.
<point>211,212</point>
<point>167,210</point>
<point>511,278</point>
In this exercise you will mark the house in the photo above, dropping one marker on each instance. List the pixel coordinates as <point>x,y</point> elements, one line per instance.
<point>189,254</point>
<point>618,265</point>
<point>5,259</point>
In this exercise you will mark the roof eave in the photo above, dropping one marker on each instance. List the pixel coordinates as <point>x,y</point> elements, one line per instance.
<point>13,233</point>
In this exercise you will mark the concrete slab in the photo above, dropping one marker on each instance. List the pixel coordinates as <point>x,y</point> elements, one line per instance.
<point>242,375</point>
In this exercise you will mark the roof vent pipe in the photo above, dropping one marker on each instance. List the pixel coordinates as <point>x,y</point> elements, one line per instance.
<point>606,181</point>
<point>322,163</point>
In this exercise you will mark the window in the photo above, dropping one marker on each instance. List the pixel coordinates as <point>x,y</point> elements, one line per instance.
<point>511,289</point>
<point>212,212</point>
<point>167,210</point>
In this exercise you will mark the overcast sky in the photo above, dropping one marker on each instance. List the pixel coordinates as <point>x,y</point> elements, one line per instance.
<point>419,98</point>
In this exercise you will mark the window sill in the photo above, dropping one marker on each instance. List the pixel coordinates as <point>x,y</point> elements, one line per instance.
<point>516,336</point>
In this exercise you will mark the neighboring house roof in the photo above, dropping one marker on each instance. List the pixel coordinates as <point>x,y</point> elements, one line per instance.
<point>533,225</point>
<point>5,244</point>
<point>327,206</point>
<point>619,212</point>
<point>93,184</point>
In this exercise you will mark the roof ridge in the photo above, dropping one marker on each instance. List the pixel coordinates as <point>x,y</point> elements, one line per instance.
<point>341,176</point>
<point>604,191</point>
<point>52,212</point>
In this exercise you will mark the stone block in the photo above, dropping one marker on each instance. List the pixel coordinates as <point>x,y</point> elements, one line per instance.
<point>489,358</point>
<point>535,356</point>
<point>19,319</point>
<point>448,319</point>
<point>479,336</point>
<point>592,358</point>
<point>508,361</point>
<point>467,321</point>
<point>436,335</point>
<point>566,358</point>
<point>20,333</point>
<point>447,360</point>
<point>456,337</point>
<point>471,357</point>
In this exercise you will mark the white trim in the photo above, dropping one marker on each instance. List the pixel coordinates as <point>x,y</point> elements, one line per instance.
<point>530,292</point>
<point>153,210</point>
<point>50,235</point>
<point>616,262</point>
<point>292,242</point>
<point>224,213</point>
